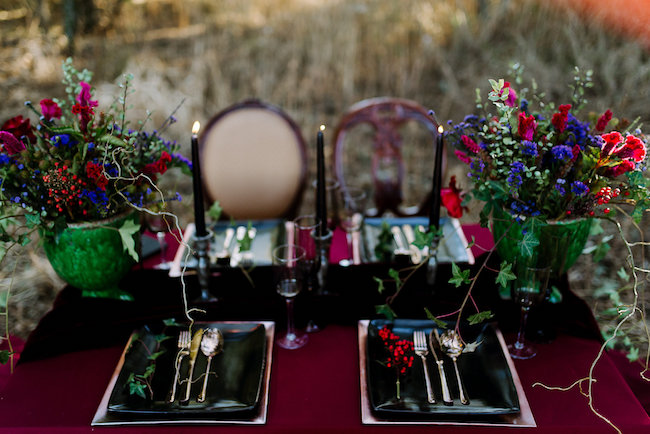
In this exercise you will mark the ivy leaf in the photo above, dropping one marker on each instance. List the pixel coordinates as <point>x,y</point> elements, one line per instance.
<point>32,220</point>
<point>149,370</point>
<point>4,357</point>
<point>479,317</point>
<point>528,243</point>
<point>471,243</point>
<point>601,251</point>
<point>440,323</point>
<point>161,337</point>
<point>505,274</point>
<point>384,309</point>
<point>633,354</point>
<point>137,388</point>
<point>394,274</point>
<point>380,284</point>
<point>170,322</point>
<point>458,277</point>
<point>155,355</point>
<point>623,275</point>
<point>127,230</point>
<point>215,211</point>
<point>423,239</point>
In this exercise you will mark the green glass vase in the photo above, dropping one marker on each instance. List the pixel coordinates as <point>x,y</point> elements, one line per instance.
<point>560,242</point>
<point>90,256</point>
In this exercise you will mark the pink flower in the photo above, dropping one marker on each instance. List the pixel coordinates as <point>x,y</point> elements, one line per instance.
<point>559,120</point>
<point>462,156</point>
<point>84,96</point>
<point>451,199</point>
<point>526,126</point>
<point>603,120</point>
<point>634,149</point>
<point>470,144</point>
<point>512,95</point>
<point>10,143</point>
<point>50,109</point>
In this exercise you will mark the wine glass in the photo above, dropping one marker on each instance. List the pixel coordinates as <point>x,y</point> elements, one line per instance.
<point>352,203</point>
<point>528,289</point>
<point>160,224</point>
<point>305,227</point>
<point>288,261</point>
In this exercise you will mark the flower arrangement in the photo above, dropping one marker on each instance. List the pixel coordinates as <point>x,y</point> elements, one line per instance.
<point>534,158</point>
<point>79,163</point>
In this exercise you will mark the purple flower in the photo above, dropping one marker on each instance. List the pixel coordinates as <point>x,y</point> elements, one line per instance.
<point>562,152</point>
<point>579,188</point>
<point>559,186</point>
<point>514,179</point>
<point>529,148</point>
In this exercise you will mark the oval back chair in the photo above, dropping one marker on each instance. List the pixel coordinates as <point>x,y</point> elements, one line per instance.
<point>387,118</point>
<point>254,161</point>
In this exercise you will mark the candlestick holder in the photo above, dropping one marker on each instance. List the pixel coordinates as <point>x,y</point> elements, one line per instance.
<point>201,253</point>
<point>323,243</point>
<point>432,263</point>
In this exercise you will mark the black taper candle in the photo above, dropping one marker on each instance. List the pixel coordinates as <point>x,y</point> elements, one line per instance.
<point>434,213</point>
<point>199,211</point>
<point>321,189</point>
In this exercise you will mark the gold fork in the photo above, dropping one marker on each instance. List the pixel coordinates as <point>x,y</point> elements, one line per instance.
<point>420,346</point>
<point>183,350</point>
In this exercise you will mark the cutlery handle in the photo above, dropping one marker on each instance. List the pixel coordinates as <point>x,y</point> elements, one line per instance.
<point>446,396</point>
<point>461,389</point>
<point>188,388</point>
<point>205,381</point>
<point>430,397</point>
<point>172,394</point>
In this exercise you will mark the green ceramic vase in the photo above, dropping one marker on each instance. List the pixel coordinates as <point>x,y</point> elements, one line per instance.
<point>90,256</point>
<point>560,242</point>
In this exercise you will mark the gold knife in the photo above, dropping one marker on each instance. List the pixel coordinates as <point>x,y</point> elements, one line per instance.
<point>194,351</point>
<point>446,396</point>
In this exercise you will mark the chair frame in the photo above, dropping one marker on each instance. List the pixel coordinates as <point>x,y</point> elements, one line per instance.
<point>255,103</point>
<point>386,115</point>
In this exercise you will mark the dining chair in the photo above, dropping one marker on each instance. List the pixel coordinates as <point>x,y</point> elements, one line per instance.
<point>253,161</point>
<point>387,144</point>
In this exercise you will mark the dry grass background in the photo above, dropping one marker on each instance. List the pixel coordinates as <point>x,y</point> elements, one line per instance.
<point>313,58</point>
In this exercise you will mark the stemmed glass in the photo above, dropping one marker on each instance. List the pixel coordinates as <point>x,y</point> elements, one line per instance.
<point>528,289</point>
<point>305,228</point>
<point>288,261</point>
<point>353,203</point>
<point>160,224</point>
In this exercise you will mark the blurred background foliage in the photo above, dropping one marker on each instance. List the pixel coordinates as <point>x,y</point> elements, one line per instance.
<point>314,58</point>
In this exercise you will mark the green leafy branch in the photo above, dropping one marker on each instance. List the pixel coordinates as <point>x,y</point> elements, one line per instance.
<point>140,383</point>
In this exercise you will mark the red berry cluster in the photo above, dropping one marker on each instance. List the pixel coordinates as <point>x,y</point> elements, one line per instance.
<point>63,189</point>
<point>605,195</point>
<point>400,351</point>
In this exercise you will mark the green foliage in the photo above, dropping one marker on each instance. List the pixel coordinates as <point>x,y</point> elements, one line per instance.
<point>385,310</point>
<point>394,274</point>
<point>440,323</point>
<point>479,317</point>
<point>505,274</point>
<point>380,284</point>
<point>384,247</point>
<point>215,211</point>
<point>4,357</point>
<point>246,241</point>
<point>459,277</point>
<point>128,229</point>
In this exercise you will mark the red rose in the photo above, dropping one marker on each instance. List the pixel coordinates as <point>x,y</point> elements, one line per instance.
<point>451,199</point>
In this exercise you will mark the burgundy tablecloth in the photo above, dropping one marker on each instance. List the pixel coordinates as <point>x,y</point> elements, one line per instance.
<point>69,359</point>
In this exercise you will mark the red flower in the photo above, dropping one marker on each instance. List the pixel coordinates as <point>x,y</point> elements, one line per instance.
<point>470,144</point>
<point>10,143</point>
<point>619,169</point>
<point>634,149</point>
<point>512,95</point>
<point>451,198</point>
<point>559,120</point>
<point>611,141</point>
<point>603,120</point>
<point>20,128</point>
<point>96,172</point>
<point>526,126</point>
<point>50,109</point>
<point>84,96</point>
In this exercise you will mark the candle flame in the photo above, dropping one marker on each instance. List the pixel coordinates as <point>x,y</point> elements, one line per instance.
<point>196,127</point>
<point>322,127</point>
<point>440,129</point>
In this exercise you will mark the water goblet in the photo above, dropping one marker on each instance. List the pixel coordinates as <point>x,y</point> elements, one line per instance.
<point>353,203</point>
<point>288,262</point>
<point>528,289</point>
<point>160,224</point>
<point>305,229</point>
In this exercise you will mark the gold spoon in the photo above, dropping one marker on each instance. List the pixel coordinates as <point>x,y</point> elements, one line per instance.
<point>453,345</point>
<point>211,345</point>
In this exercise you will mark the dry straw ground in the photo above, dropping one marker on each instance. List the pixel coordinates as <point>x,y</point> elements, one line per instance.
<point>313,58</point>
